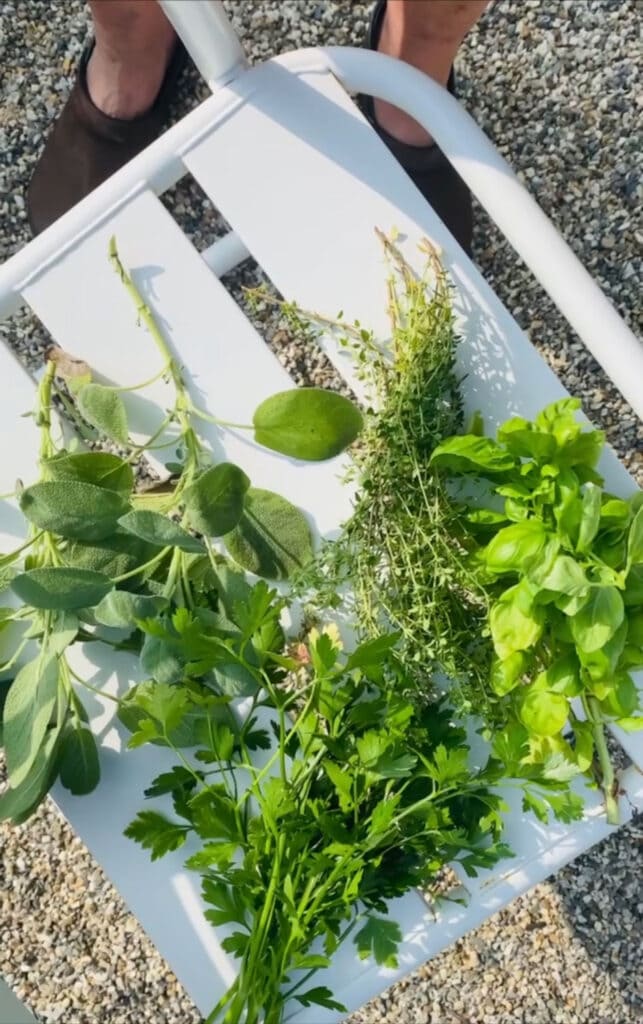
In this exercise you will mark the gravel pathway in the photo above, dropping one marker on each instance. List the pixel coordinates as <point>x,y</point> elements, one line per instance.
<point>555,84</point>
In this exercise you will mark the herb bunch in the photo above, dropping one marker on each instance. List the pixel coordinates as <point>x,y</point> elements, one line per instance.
<point>401,561</point>
<point>364,798</point>
<point>562,561</point>
<point>100,554</point>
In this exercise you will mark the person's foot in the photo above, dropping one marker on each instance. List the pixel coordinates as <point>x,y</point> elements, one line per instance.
<point>411,145</point>
<point>112,114</point>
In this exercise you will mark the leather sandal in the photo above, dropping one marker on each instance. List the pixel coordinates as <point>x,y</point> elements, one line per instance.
<point>86,146</point>
<point>426,166</point>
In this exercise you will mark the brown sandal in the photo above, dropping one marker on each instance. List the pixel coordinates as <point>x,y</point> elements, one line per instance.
<point>86,146</point>
<point>426,166</point>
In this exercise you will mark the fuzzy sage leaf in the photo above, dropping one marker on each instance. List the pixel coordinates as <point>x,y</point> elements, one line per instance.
<point>104,409</point>
<point>214,502</point>
<point>272,538</point>
<point>60,589</point>
<point>73,508</point>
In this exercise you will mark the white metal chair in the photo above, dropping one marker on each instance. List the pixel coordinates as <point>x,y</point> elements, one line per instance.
<point>302,178</point>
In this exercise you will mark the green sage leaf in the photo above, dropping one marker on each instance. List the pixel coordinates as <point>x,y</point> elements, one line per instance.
<point>79,764</point>
<point>28,709</point>
<point>73,509</point>
<point>60,589</point>
<point>272,538</point>
<point>307,423</point>
<point>103,408</point>
<point>157,529</point>
<point>116,555</point>
<point>121,609</point>
<point>103,469</point>
<point>18,803</point>
<point>214,502</point>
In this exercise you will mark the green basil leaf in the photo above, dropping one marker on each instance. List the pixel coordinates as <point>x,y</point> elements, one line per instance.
<point>121,609</point>
<point>307,423</point>
<point>214,502</point>
<point>60,589</point>
<point>519,438</point>
<point>159,530</point>
<point>505,674</point>
<point>103,408</point>
<point>590,517</point>
<point>73,509</point>
<point>103,469</point>
<point>515,547</point>
<point>598,619</point>
<point>601,664</point>
<point>544,713</point>
<point>615,513</point>
<point>633,593</point>
<point>28,709</point>
<point>79,764</point>
<point>630,724</point>
<point>558,418</point>
<point>516,621</point>
<point>583,451</point>
<point>565,576</point>
<point>272,538</point>
<point>635,540</point>
<point>469,454</point>
<point>583,745</point>
<point>563,676</point>
<point>18,803</point>
<point>623,699</point>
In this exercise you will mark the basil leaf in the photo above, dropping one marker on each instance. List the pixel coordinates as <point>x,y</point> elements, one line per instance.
<point>506,673</point>
<point>307,423</point>
<point>158,529</point>
<point>566,576</point>
<point>272,538</point>
<point>543,712</point>
<point>635,540</point>
<point>214,502</point>
<point>623,699</point>
<point>470,454</point>
<point>519,438</point>
<point>103,408</point>
<point>516,547</point>
<point>103,469</point>
<point>28,709</point>
<point>79,765</point>
<point>590,517</point>
<point>60,589</point>
<point>73,509</point>
<point>516,622</point>
<point>598,619</point>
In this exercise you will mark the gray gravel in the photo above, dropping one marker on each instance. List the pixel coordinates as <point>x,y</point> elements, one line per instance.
<point>555,83</point>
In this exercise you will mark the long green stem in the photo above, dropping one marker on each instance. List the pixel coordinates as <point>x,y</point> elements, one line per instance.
<point>607,776</point>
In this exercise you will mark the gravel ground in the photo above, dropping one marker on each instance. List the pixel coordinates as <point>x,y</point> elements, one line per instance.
<point>555,84</point>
